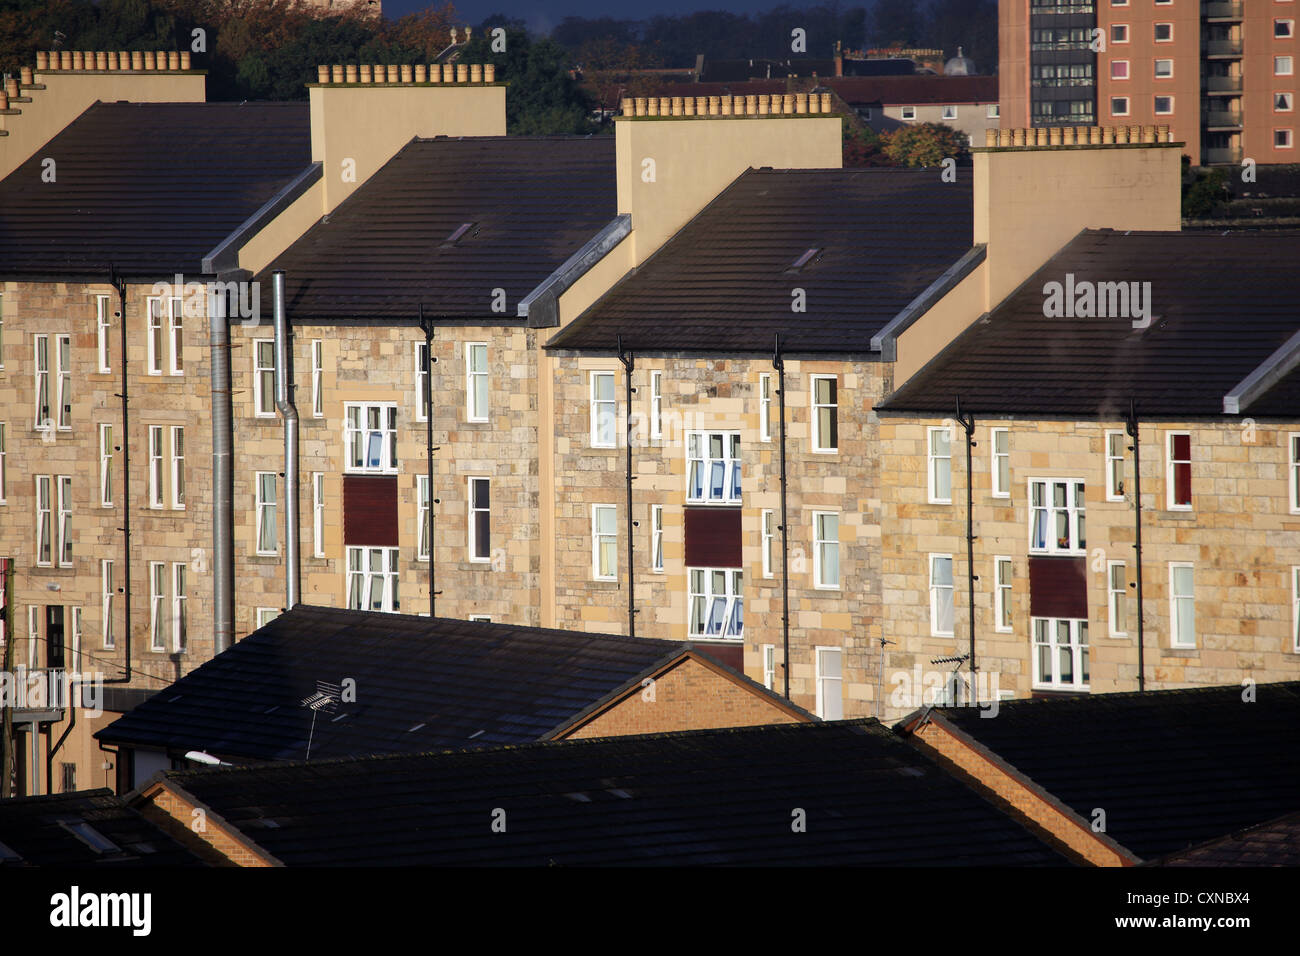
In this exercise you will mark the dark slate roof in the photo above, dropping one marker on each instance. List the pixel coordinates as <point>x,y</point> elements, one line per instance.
<point>695,797</point>
<point>723,281</point>
<point>919,90</point>
<point>31,828</point>
<point>1280,401</point>
<point>1171,768</point>
<point>1222,304</point>
<point>149,187</point>
<point>1276,843</point>
<point>421,683</point>
<point>534,201</point>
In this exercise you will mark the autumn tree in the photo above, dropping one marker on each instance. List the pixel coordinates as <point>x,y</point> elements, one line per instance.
<point>925,144</point>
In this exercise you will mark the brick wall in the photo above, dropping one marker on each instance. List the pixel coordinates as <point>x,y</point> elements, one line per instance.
<point>211,841</point>
<point>688,696</point>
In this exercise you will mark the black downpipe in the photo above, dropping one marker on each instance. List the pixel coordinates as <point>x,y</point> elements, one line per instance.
<point>629,365</point>
<point>1135,433</point>
<point>967,423</point>
<point>427,326</point>
<point>778,363</point>
<point>119,284</point>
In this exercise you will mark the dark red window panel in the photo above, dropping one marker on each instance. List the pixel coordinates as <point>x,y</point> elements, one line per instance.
<point>713,538</point>
<point>370,510</point>
<point>1182,455</point>
<point>1058,587</point>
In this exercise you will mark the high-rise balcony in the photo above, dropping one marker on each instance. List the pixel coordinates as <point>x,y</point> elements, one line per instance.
<point>1221,120</point>
<point>1221,48</point>
<point>1222,10</point>
<point>1223,84</point>
<point>1229,154</point>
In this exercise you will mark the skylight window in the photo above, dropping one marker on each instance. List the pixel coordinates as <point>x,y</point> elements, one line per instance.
<point>8,855</point>
<point>88,835</point>
<point>461,230</point>
<point>803,260</point>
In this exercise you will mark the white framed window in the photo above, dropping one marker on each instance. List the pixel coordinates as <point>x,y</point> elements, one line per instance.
<point>939,467</point>
<point>178,467</point>
<point>41,358</point>
<point>479,534</point>
<point>717,603</point>
<point>1119,69</point>
<point>830,680</point>
<point>264,378</point>
<point>1164,32</point>
<point>765,407</point>
<point>1117,598</point>
<point>103,325</point>
<point>481,618</point>
<point>657,539</point>
<point>33,635</point>
<point>826,413</point>
<point>155,466</point>
<point>994,111</point>
<point>4,477</point>
<point>1000,440</point>
<point>714,470</point>
<point>265,615</point>
<point>422,517</point>
<point>604,542</point>
<point>604,410</point>
<point>1282,139</point>
<point>941,595</point>
<point>63,349</point>
<point>372,579</point>
<point>156,343</point>
<point>657,404</point>
<point>180,616</point>
<point>1293,441</point>
<point>1002,577</point>
<point>1164,69</point>
<point>950,112</point>
<point>370,437</point>
<point>44,527</point>
<point>769,665</point>
<point>64,483</point>
<point>908,112</point>
<point>106,466</point>
<point>1178,471</point>
<point>176,336</point>
<point>157,605</point>
<point>826,550</point>
<point>1283,102</point>
<point>1057,516</point>
<point>476,381</point>
<point>1182,605</point>
<point>1283,66</point>
<point>769,542</point>
<point>1060,653</point>
<point>318,514</point>
<point>267,519</point>
<point>1115,447</point>
<point>1295,609</point>
<point>74,644</point>
<point>317,378</point>
<point>421,381</point>
<point>1164,105</point>
<point>1119,106</point>
<point>1283,29</point>
<point>106,603</point>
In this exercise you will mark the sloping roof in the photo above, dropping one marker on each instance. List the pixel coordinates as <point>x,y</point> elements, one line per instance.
<point>724,281</point>
<point>1276,843</point>
<point>34,829</point>
<point>1170,768</point>
<point>1222,303</point>
<point>420,683</point>
<point>533,202</point>
<point>148,187</point>
<point>713,797</point>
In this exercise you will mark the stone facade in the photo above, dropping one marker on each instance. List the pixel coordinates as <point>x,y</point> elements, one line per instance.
<point>1239,536</point>
<point>723,394</point>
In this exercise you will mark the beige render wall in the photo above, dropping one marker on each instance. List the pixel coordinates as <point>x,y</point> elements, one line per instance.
<point>376,363</point>
<point>723,394</point>
<point>1240,535</point>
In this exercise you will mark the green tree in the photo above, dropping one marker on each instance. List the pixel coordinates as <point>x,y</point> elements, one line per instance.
<point>925,144</point>
<point>543,98</point>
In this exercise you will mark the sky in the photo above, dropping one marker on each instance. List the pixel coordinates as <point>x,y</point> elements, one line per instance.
<point>541,17</point>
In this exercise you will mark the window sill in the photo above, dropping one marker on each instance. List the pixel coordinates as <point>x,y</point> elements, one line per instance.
<point>1182,651</point>
<point>947,502</point>
<point>825,451</point>
<point>1004,630</point>
<point>717,638</point>
<point>1036,553</point>
<point>827,587</point>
